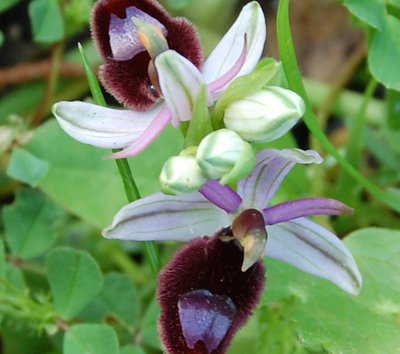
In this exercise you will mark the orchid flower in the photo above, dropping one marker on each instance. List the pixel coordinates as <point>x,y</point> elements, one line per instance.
<point>154,66</point>
<point>290,236</point>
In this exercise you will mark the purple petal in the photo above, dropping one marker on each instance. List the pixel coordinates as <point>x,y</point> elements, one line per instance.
<point>231,73</point>
<point>124,41</point>
<point>180,82</point>
<point>149,135</point>
<point>167,217</point>
<point>304,207</point>
<point>101,126</point>
<point>251,22</point>
<point>315,250</point>
<point>220,195</point>
<point>272,167</point>
<point>205,317</point>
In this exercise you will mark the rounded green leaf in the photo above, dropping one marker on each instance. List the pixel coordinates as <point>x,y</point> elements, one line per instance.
<point>39,229</point>
<point>121,298</point>
<point>149,332</point>
<point>384,54</point>
<point>47,21</point>
<point>26,167</point>
<point>91,339</point>
<point>323,316</point>
<point>75,279</point>
<point>372,11</point>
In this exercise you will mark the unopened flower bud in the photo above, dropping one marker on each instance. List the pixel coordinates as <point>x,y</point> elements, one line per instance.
<point>224,155</point>
<point>181,174</point>
<point>265,115</point>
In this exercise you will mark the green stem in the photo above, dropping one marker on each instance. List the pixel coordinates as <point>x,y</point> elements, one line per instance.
<point>354,146</point>
<point>131,189</point>
<point>347,103</point>
<point>293,75</point>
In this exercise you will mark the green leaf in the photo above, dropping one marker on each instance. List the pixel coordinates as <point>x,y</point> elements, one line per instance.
<point>372,12</point>
<point>395,3</point>
<point>77,15</point>
<point>200,124</point>
<point>129,349</point>
<point>6,4</point>
<point>75,279</point>
<point>384,52</point>
<point>20,100</point>
<point>90,339</point>
<point>323,315</point>
<point>78,178</point>
<point>2,259</point>
<point>92,79</point>
<point>393,109</point>
<point>266,71</point>
<point>84,183</point>
<point>47,21</point>
<point>149,332</point>
<point>1,38</point>
<point>25,167</point>
<point>31,223</point>
<point>121,298</point>
<point>15,277</point>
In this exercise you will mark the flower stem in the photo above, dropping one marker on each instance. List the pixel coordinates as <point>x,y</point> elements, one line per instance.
<point>289,61</point>
<point>131,189</point>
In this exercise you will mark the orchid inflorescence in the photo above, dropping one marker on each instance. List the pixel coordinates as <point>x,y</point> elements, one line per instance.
<point>153,65</point>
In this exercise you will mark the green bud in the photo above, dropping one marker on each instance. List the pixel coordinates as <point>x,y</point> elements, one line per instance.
<point>224,155</point>
<point>265,115</point>
<point>181,174</point>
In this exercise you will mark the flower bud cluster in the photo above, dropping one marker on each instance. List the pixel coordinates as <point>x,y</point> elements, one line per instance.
<point>221,155</point>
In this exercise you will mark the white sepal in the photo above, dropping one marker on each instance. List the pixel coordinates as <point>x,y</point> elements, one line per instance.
<point>315,250</point>
<point>250,24</point>
<point>161,217</point>
<point>100,126</point>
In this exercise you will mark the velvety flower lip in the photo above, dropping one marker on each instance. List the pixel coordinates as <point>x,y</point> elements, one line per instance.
<point>179,72</point>
<point>292,237</point>
<point>205,297</point>
<point>128,80</point>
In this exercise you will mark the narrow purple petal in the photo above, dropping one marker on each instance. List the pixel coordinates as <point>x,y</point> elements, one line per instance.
<point>231,73</point>
<point>304,207</point>
<point>272,167</point>
<point>222,196</point>
<point>149,135</point>
<point>166,217</point>
<point>124,41</point>
<point>315,250</point>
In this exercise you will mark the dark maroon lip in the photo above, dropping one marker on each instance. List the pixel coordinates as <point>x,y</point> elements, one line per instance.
<point>128,81</point>
<point>212,265</point>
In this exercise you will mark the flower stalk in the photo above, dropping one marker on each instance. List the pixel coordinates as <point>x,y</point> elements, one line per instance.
<point>130,187</point>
